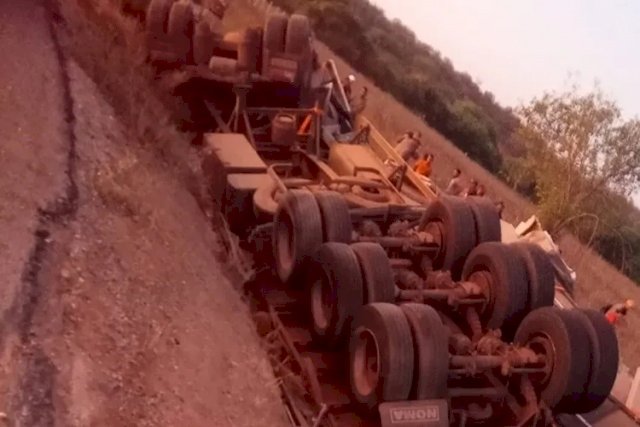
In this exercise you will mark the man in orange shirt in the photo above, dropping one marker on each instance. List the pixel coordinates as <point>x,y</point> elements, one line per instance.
<point>423,166</point>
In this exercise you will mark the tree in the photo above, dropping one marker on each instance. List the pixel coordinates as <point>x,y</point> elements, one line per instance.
<point>578,146</point>
<point>473,133</point>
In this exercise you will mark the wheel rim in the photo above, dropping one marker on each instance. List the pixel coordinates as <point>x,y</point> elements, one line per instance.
<point>321,303</point>
<point>542,344</point>
<point>366,363</point>
<point>285,241</point>
<point>436,230</point>
<point>483,279</point>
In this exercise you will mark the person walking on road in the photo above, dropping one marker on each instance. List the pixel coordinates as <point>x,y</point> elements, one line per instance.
<point>615,312</point>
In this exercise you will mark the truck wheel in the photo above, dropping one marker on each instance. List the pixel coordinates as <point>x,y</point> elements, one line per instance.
<point>380,355</point>
<point>605,360</point>
<point>503,280</point>
<point>377,275</point>
<point>336,220</point>
<point>450,221</point>
<point>430,349</point>
<point>274,32</point>
<point>158,16</point>
<point>180,28</point>
<point>336,291</point>
<point>540,274</point>
<point>561,336</point>
<point>202,43</point>
<point>298,35</point>
<point>486,218</point>
<point>297,232</point>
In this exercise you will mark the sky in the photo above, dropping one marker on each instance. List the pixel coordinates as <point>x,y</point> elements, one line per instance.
<point>518,49</point>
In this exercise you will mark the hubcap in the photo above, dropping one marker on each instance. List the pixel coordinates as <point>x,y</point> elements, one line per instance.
<point>321,303</point>
<point>366,363</point>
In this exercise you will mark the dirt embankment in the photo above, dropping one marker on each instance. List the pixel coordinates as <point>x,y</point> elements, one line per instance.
<point>116,309</point>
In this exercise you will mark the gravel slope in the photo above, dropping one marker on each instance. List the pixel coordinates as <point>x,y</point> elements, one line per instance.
<point>116,310</point>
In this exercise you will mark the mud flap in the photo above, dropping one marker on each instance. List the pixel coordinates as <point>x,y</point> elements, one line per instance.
<point>417,413</point>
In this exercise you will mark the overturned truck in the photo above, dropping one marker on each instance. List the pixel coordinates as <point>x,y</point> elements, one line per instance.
<point>442,316</point>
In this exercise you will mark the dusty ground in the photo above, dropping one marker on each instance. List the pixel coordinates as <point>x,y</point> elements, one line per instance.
<point>116,311</point>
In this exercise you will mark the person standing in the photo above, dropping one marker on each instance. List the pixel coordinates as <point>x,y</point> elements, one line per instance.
<point>360,104</point>
<point>615,312</point>
<point>472,190</point>
<point>500,208</point>
<point>424,165</point>
<point>408,145</point>
<point>455,184</point>
<point>346,85</point>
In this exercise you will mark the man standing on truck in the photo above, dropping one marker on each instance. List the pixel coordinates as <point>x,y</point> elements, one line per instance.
<point>408,145</point>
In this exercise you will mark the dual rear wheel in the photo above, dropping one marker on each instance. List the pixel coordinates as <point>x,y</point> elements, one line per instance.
<point>401,353</point>
<point>397,353</point>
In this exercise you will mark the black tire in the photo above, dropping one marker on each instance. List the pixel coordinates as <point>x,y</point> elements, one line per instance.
<point>298,35</point>
<point>297,232</point>
<point>430,349</point>
<point>540,274</point>
<point>605,360</point>
<point>336,220</point>
<point>180,28</point>
<point>336,292</point>
<point>487,219</point>
<point>455,220</point>
<point>203,42</point>
<point>158,17</point>
<point>382,327</point>
<point>508,291</point>
<point>377,274</point>
<point>569,353</point>
<point>180,20</point>
<point>275,28</point>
